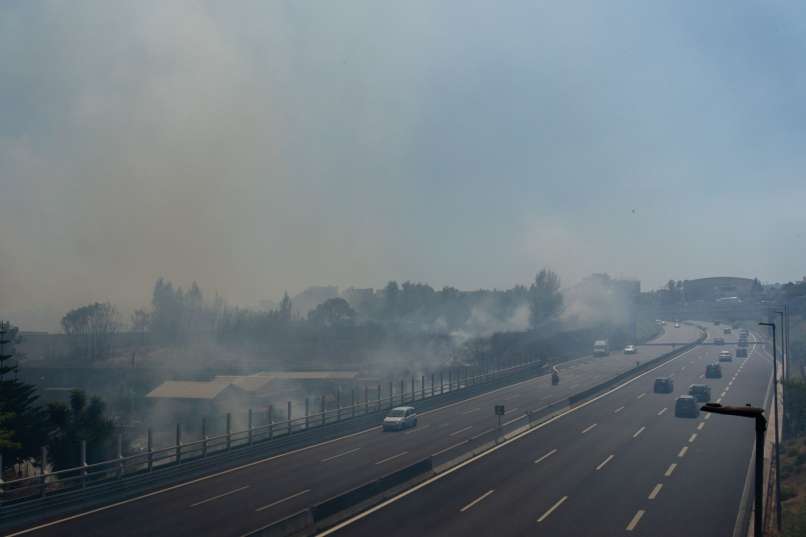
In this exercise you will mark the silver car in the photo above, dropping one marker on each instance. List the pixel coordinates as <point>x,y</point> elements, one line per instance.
<point>400,417</point>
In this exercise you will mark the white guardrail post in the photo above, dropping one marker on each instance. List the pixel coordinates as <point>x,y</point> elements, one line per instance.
<point>366,398</point>
<point>288,416</point>
<point>307,412</point>
<point>271,423</point>
<point>352,400</point>
<point>323,408</point>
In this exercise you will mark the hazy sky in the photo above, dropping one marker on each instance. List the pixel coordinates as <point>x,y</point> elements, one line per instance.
<point>269,145</point>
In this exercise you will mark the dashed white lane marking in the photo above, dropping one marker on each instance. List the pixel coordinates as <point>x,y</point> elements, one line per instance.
<point>692,438</point>
<point>640,395</point>
<point>682,452</point>
<point>719,400</point>
<point>700,426</point>
<point>670,469</point>
<point>477,500</point>
<point>602,464</point>
<point>482,433</point>
<point>546,456</point>
<point>702,376</point>
<point>510,411</point>
<point>460,431</point>
<point>661,411</point>
<point>471,411</point>
<point>393,457</point>
<point>342,454</point>
<point>635,520</point>
<point>441,451</point>
<point>412,431</point>
<point>217,496</point>
<point>639,431</point>
<point>655,491</point>
<point>545,515</point>
<point>707,416</point>
<point>619,409</point>
<point>588,428</point>
<point>306,491</point>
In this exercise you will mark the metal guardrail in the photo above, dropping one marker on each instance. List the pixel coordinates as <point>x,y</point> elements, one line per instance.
<point>89,477</point>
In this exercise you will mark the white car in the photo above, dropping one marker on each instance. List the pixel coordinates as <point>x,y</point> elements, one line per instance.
<point>630,349</point>
<point>400,417</point>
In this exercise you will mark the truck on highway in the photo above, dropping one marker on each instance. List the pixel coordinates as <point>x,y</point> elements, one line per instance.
<point>601,348</point>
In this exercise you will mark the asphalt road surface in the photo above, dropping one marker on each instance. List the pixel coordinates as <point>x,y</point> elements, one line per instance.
<point>623,464</point>
<point>242,499</point>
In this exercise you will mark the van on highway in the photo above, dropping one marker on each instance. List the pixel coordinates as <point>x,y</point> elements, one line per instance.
<point>725,356</point>
<point>700,392</point>
<point>713,371</point>
<point>686,407</point>
<point>400,417</point>
<point>664,385</point>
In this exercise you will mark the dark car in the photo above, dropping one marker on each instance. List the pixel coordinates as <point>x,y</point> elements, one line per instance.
<point>700,392</point>
<point>713,371</point>
<point>664,385</point>
<point>686,407</point>
<point>719,341</point>
<point>743,343</point>
<point>741,352</point>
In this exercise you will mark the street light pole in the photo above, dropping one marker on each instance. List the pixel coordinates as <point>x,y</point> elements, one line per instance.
<point>761,426</point>
<point>777,424</point>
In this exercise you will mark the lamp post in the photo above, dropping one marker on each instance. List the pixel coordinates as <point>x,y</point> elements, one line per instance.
<point>777,424</point>
<point>761,426</point>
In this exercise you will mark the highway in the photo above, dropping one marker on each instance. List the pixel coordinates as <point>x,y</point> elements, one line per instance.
<point>622,464</point>
<point>239,500</point>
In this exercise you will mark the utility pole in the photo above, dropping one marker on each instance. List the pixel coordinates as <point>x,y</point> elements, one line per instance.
<point>777,424</point>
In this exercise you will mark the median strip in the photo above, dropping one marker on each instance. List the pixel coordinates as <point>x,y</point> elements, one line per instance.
<point>545,515</point>
<point>477,500</point>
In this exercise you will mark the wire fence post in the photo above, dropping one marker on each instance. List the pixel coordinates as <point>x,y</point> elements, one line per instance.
<point>422,387</point>
<point>402,391</point>
<point>288,412</point>
<point>204,437</point>
<point>150,449</point>
<point>83,464</point>
<point>338,403</point>
<point>366,398</point>
<point>229,430</point>
<point>379,398</point>
<point>44,470</point>
<point>323,409</point>
<point>270,423</point>
<point>178,443</point>
<point>352,398</point>
<point>249,422</point>
<point>413,394</point>
<point>391,394</point>
<point>432,385</point>
<point>441,383</point>
<point>307,412</point>
<point>120,456</point>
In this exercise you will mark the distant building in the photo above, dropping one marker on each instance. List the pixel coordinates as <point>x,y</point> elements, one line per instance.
<point>711,289</point>
<point>182,400</point>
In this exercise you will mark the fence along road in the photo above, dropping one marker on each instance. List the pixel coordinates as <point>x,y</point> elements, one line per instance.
<point>640,470</point>
<point>238,500</point>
